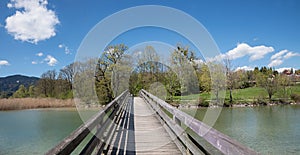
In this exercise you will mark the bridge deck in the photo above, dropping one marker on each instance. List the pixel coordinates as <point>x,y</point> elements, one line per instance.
<point>140,132</point>
<point>150,136</point>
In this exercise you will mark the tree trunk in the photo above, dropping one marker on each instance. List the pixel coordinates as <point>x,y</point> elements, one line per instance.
<point>230,96</point>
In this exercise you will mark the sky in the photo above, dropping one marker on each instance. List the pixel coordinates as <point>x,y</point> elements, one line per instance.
<point>41,35</point>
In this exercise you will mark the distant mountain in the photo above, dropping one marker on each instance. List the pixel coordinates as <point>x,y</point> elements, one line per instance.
<point>9,84</point>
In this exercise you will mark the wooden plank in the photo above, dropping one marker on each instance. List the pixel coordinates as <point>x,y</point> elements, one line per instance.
<point>184,144</point>
<point>150,135</point>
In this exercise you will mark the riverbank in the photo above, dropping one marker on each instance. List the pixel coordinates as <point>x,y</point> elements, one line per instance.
<point>237,105</point>
<point>35,103</point>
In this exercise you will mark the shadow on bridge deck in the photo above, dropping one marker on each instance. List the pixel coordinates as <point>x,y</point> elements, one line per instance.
<point>140,132</point>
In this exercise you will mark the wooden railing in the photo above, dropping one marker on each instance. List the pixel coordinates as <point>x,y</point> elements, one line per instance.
<point>194,138</point>
<point>103,123</point>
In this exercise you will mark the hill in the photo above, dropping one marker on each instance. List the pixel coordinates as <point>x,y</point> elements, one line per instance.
<point>9,84</point>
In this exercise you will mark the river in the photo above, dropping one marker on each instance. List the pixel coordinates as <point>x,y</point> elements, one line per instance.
<point>35,131</point>
<point>268,130</point>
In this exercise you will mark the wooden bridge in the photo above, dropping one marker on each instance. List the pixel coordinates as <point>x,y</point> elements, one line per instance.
<point>146,125</point>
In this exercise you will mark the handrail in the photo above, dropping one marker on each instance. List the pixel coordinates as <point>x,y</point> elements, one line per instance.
<point>217,139</point>
<point>69,144</point>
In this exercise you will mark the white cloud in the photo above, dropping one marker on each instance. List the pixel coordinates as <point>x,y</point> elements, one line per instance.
<point>4,63</point>
<point>243,49</point>
<point>51,61</point>
<point>40,54</point>
<point>34,62</point>
<point>9,5</point>
<point>32,21</point>
<point>66,48</point>
<point>278,58</point>
<point>275,62</point>
<point>291,54</point>
<point>279,54</point>
<point>246,68</point>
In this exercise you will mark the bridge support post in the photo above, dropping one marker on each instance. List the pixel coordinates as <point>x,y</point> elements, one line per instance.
<point>176,120</point>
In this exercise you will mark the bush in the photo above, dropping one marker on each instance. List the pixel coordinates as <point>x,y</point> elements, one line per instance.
<point>202,103</point>
<point>228,104</point>
<point>295,97</point>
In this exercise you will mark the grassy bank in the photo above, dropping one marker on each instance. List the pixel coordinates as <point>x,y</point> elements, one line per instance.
<point>34,103</point>
<point>240,96</point>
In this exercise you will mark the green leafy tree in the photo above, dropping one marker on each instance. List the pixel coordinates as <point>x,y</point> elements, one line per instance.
<point>183,64</point>
<point>218,80</point>
<point>204,78</point>
<point>31,91</point>
<point>21,92</point>
<point>268,82</point>
<point>148,70</point>
<point>284,82</point>
<point>172,85</point>
<point>106,68</point>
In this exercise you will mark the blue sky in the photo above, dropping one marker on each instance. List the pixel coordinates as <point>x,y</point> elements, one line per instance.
<point>39,35</point>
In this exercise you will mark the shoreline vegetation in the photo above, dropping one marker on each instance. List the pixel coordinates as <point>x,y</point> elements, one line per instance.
<point>52,103</point>
<point>186,80</point>
<point>44,103</point>
<point>239,105</point>
<point>34,103</point>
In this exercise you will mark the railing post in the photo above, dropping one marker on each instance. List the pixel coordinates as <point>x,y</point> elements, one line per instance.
<point>176,120</point>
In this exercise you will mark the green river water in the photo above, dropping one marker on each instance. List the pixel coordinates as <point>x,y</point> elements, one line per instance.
<point>268,130</point>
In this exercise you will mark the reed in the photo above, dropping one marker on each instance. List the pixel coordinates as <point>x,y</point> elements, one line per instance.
<point>34,103</point>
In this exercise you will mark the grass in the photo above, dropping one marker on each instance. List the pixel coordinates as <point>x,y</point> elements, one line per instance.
<point>239,95</point>
<point>34,103</point>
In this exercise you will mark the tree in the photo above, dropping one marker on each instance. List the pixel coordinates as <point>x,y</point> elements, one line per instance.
<point>135,85</point>
<point>105,69</point>
<point>21,92</point>
<point>84,84</point>
<point>147,60</point>
<point>230,78</point>
<point>172,85</point>
<point>4,94</point>
<point>204,78</point>
<point>31,91</point>
<point>67,74</point>
<point>62,88</point>
<point>183,64</point>
<point>218,79</point>
<point>268,82</point>
<point>46,85</point>
<point>284,82</point>
<point>148,71</point>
